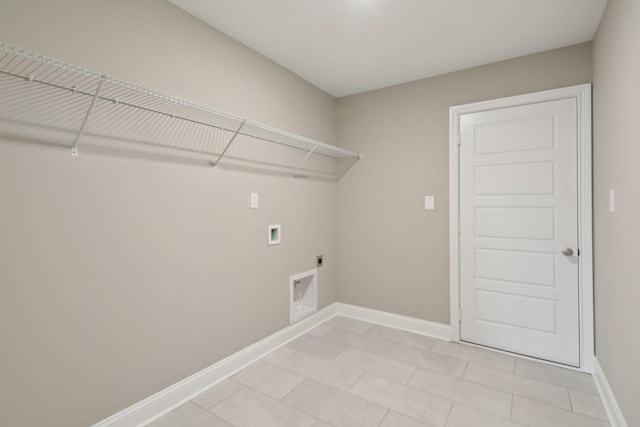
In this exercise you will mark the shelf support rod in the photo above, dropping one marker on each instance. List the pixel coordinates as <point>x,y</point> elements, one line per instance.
<point>74,147</point>
<point>303,160</point>
<point>349,165</point>
<point>215,164</point>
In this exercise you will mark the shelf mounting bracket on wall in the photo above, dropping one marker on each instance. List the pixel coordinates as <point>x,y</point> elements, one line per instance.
<point>293,174</point>
<point>348,165</point>
<point>235,134</point>
<point>74,147</point>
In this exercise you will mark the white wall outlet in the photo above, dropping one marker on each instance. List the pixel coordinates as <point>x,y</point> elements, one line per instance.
<point>254,200</point>
<point>429,203</point>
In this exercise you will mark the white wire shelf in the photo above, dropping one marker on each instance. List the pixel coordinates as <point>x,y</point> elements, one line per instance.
<point>44,99</point>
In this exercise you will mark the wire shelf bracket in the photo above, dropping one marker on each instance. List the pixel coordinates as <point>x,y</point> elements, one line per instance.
<point>74,147</point>
<point>293,173</point>
<point>235,134</point>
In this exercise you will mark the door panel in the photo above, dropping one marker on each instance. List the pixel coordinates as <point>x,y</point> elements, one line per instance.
<point>520,311</point>
<point>515,266</point>
<point>523,178</point>
<point>527,133</point>
<point>518,209</point>
<point>515,223</point>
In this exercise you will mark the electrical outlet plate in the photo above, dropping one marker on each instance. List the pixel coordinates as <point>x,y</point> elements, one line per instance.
<point>429,203</point>
<point>612,201</point>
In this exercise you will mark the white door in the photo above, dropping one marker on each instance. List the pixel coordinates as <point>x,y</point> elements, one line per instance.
<point>519,230</point>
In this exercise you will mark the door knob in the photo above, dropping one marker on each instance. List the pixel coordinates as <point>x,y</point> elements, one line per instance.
<point>567,251</point>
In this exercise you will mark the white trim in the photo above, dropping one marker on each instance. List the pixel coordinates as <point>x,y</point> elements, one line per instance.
<point>181,392</point>
<point>165,401</point>
<point>454,222</point>
<point>410,324</point>
<point>585,228</point>
<point>582,94</point>
<point>616,419</point>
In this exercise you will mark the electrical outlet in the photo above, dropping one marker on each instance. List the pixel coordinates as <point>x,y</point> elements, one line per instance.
<point>319,261</point>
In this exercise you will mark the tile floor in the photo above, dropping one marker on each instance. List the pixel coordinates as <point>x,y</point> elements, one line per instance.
<point>351,373</point>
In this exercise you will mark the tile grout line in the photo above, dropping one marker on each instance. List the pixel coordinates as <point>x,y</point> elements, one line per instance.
<point>511,407</point>
<point>222,400</point>
<point>570,401</point>
<point>348,390</point>
<point>342,352</point>
<point>404,385</point>
<point>298,409</point>
<point>519,395</point>
<point>527,397</point>
<point>556,384</point>
<point>273,398</point>
<point>569,389</point>
<point>385,416</point>
<point>283,360</point>
<point>218,402</point>
<point>433,344</point>
<point>565,410</point>
<point>464,371</point>
<point>453,402</point>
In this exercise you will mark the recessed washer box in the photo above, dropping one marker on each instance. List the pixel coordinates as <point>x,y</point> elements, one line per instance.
<point>303,294</point>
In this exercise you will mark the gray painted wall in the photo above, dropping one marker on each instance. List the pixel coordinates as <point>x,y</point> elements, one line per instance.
<point>123,276</point>
<point>616,94</point>
<point>394,255</point>
<point>120,276</point>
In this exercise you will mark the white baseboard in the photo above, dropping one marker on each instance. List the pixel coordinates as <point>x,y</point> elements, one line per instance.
<point>173,396</point>
<point>410,324</point>
<point>606,394</point>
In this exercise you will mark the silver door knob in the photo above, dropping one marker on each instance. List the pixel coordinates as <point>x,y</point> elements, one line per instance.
<point>567,251</point>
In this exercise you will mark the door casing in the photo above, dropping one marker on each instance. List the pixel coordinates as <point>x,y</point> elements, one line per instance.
<point>582,94</point>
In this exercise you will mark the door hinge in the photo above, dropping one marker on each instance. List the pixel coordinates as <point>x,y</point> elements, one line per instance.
<point>578,251</point>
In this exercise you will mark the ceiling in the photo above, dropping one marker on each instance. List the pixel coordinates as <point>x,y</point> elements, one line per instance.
<point>351,46</point>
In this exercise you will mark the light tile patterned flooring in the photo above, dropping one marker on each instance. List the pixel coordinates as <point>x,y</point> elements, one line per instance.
<point>351,373</point>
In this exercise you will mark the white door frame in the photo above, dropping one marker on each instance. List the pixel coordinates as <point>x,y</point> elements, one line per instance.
<point>582,94</point>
